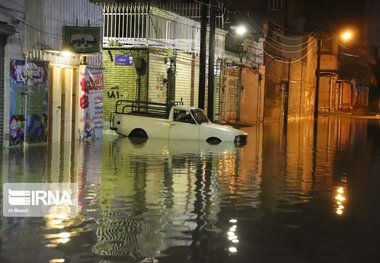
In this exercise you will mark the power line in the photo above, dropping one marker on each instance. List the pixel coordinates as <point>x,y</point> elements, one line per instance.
<point>253,22</point>
<point>292,51</point>
<point>19,5</point>
<point>289,62</point>
<point>280,26</point>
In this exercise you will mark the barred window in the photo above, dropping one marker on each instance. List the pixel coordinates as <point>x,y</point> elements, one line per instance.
<point>274,5</point>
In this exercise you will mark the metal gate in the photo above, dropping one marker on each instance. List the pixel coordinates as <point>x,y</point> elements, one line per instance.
<point>228,94</point>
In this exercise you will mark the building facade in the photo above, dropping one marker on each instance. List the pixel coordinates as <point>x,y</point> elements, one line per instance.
<point>42,85</point>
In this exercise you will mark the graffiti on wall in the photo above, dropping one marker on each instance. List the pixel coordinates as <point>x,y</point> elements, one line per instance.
<point>115,93</point>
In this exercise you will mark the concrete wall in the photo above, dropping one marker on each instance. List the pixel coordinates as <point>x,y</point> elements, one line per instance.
<point>273,92</point>
<point>301,91</point>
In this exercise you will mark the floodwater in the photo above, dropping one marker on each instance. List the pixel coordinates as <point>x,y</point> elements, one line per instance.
<point>284,197</point>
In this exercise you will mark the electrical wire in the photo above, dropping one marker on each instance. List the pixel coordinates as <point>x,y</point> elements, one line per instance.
<point>206,4</point>
<point>289,62</point>
<point>349,55</point>
<point>303,45</point>
<point>13,2</point>
<point>280,26</point>
<point>261,31</point>
<point>292,51</point>
<point>312,33</point>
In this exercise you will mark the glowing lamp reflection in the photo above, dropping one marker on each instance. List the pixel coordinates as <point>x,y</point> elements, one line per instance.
<point>232,249</point>
<point>340,199</point>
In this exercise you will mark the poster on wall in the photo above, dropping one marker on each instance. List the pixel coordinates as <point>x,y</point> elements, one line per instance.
<point>91,103</point>
<point>28,102</point>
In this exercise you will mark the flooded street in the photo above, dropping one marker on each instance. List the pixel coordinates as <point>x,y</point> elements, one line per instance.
<point>277,199</point>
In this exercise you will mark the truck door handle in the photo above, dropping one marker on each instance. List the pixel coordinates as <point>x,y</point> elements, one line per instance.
<point>172,124</point>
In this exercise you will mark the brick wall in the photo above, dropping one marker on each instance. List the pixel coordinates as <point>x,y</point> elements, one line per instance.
<point>120,81</point>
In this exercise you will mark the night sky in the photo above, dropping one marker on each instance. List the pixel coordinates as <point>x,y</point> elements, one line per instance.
<point>335,15</point>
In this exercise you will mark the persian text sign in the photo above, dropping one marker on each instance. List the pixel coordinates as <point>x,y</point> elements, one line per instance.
<point>40,199</point>
<point>123,60</point>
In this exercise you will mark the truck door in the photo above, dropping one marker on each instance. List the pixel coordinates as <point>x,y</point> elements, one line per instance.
<point>183,126</point>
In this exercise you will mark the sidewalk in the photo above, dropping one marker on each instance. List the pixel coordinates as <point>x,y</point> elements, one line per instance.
<point>360,114</point>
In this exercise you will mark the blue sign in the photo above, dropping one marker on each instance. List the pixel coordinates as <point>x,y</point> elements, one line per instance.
<point>123,60</point>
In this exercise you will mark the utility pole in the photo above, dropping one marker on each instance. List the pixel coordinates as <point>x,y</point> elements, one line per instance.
<point>211,63</point>
<point>317,76</point>
<point>202,55</point>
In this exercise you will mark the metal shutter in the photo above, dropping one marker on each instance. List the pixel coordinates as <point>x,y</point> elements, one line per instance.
<point>183,78</point>
<point>157,73</point>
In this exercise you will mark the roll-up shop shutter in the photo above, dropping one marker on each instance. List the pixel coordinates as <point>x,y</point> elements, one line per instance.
<point>157,87</point>
<point>183,78</point>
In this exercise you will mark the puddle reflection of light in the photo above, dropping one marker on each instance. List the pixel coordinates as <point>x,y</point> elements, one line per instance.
<point>232,249</point>
<point>340,199</point>
<point>56,239</point>
<point>231,235</point>
<point>60,222</point>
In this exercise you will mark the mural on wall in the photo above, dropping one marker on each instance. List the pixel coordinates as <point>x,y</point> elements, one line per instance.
<point>91,101</point>
<point>28,102</point>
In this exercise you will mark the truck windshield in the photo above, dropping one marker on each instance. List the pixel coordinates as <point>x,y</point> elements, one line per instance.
<point>199,116</point>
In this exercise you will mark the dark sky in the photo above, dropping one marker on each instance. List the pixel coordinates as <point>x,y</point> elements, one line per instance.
<point>363,16</point>
<point>322,13</point>
<point>333,14</point>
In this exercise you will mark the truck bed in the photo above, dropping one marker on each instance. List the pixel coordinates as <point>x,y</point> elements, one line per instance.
<point>149,114</point>
<point>145,108</point>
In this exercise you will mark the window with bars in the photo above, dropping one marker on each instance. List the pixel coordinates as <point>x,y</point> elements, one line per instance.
<point>275,5</point>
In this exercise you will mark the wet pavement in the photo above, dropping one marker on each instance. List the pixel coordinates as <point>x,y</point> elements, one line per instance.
<point>284,197</point>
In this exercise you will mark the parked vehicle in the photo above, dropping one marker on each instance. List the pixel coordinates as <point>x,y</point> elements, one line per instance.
<point>155,120</point>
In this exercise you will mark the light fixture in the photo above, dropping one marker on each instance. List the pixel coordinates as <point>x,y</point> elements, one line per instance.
<point>240,30</point>
<point>66,53</point>
<point>346,35</point>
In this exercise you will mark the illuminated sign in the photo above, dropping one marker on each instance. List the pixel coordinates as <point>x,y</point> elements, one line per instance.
<point>81,39</point>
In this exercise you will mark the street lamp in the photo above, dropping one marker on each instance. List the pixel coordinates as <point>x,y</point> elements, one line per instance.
<point>346,35</point>
<point>240,30</point>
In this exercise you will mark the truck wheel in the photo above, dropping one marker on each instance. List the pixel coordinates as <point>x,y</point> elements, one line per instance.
<point>213,140</point>
<point>138,133</point>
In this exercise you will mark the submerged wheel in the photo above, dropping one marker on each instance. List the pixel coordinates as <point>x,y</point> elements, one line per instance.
<point>213,140</point>
<point>138,133</point>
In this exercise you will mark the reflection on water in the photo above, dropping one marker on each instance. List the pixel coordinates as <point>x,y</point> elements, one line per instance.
<point>277,199</point>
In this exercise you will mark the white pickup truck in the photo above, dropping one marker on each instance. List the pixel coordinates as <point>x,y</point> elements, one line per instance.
<point>154,120</point>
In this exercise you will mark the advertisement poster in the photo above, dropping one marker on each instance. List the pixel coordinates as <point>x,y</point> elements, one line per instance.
<point>91,102</point>
<point>28,107</point>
